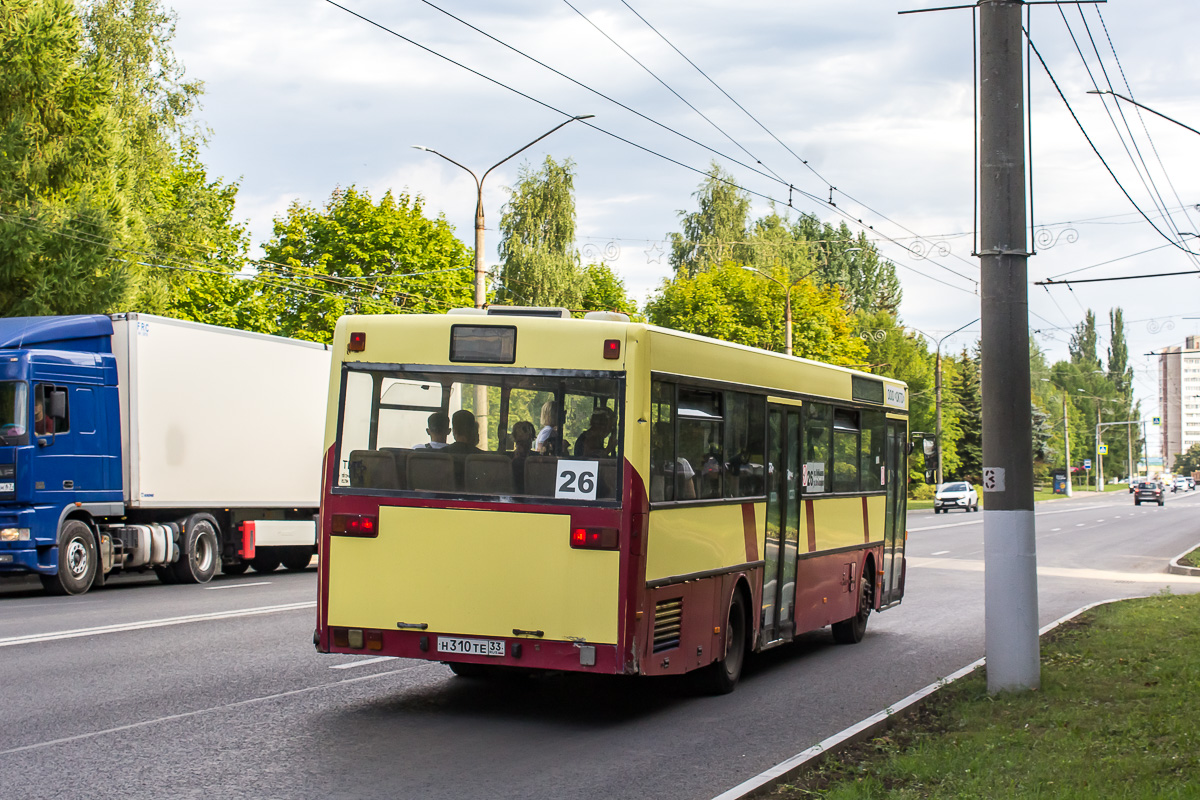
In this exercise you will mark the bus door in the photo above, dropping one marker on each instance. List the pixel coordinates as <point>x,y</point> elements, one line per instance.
<point>782,525</point>
<point>894,516</point>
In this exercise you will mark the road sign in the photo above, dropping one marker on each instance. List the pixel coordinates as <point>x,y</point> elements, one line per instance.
<point>1103,449</point>
<point>1087,463</point>
<point>1157,421</point>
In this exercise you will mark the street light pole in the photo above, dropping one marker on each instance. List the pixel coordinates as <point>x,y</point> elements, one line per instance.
<point>787,305</point>
<point>937,393</point>
<point>480,289</point>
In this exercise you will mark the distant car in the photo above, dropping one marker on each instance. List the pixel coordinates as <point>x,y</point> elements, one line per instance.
<point>959,494</point>
<point>1191,483</point>
<point>1150,491</point>
<point>1133,484</point>
<point>1180,483</point>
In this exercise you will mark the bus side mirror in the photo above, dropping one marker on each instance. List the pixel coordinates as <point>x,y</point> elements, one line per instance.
<point>908,448</point>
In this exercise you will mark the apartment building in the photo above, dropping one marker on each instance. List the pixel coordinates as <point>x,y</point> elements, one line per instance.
<point>1179,390</point>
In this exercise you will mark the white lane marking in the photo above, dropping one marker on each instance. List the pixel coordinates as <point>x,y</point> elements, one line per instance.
<point>973,565</point>
<point>236,586</point>
<point>979,520</point>
<point>1053,530</point>
<point>362,663</point>
<point>199,711</point>
<point>152,623</point>
<point>1099,520</point>
<point>940,553</point>
<point>1080,524</point>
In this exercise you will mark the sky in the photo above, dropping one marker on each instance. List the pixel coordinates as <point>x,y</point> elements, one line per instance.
<point>842,100</point>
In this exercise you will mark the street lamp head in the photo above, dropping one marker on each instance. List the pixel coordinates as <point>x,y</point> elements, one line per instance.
<point>585,116</point>
<point>420,147</point>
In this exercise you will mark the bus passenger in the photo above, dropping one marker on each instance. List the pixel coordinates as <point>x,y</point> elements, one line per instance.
<point>522,434</point>
<point>592,442</point>
<point>549,439</point>
<point>466,433</point>
<point>676,473</point>
<point>438,430</point>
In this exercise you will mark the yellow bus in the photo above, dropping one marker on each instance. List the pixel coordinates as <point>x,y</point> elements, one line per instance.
<point>515,489</point>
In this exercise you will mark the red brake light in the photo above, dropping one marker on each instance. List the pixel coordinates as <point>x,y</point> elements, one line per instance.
<point>354,525</point>
<point>358,342</point>
<point>612,348</point>
<point>595,538</point>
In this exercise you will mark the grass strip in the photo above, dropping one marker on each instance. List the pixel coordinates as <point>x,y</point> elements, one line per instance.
<point>1192,559</point>
<point>1115,717</point>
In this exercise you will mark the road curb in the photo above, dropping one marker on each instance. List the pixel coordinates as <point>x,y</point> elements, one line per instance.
<point>872,725</point>
<point>1175,568</point>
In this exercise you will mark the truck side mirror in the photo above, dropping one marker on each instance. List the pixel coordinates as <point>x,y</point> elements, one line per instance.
<point>57,403</point>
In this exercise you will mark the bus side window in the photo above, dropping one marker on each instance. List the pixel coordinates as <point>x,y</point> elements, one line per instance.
<point>745,418</point>
<point>817,447</point>
<point>662,442</point>
<point>845,450</point>
<point>701,439</point>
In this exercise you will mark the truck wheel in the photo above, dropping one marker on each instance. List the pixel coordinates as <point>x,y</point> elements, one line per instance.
<point>721,676</point>
<point>265,563</point>
<point>199,554</point>
<point>296,559</point>
<point>851,631</point>
<point>76,560</point>
<point>235,567</point>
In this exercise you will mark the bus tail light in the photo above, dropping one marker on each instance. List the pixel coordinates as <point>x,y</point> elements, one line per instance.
<point>612,348</point>
<point>354,525</point>
<point>595,538</point>
<point>374,640</point>
<point>358,342</point>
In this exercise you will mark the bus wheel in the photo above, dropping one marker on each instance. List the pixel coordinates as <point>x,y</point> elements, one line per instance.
<point>76,561</point>
<point>850,631</point>
<point>721,676</point>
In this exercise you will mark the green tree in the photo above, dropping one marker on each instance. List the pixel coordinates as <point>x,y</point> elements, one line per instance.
<point>730,303</point>
<point>62,164</point>
<point>1188,462</point>
<point>1084,345</point>
<point>539,262</point>
<point>717,232</point>
<point>604,291</point>
<point>356,256</point>
<point>964,386</point>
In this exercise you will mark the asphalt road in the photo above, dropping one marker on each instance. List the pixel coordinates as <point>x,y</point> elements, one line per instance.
<point>141,690</point>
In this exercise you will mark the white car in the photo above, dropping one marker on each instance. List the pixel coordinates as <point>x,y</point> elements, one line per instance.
<point>1180,483</point>
<point>959,494</point>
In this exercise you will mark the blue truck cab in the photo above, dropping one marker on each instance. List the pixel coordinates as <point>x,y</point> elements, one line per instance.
<point>60,447</point>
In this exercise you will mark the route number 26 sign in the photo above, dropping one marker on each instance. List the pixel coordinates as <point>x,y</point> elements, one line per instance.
<point>576,480</point>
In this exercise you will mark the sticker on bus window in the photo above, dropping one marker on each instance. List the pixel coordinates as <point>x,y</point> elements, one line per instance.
<point>814,476</point>
<point>576,480</point>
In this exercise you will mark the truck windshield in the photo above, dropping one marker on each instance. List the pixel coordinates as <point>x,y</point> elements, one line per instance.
<point>506,434</point>
<point>14,413</point>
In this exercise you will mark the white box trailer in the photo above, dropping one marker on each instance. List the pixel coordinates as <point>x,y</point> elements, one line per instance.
<point>228,423</point>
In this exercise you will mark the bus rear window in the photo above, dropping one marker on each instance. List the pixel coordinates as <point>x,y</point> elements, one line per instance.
<point>505,434</point>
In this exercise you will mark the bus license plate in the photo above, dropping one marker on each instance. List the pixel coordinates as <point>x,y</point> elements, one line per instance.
<point>472,647</point>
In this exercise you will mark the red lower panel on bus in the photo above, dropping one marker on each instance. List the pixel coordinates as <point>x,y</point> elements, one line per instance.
<point>497,651</point>
<point>827,589</point>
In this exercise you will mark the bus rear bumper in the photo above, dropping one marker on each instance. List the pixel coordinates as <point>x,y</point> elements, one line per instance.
<point>525,652</point>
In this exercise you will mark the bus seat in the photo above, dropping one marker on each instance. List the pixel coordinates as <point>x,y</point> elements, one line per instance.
<point>488,473</point>
<point>430,471</point>
<point>400,456</point>
<point>373,469</point>
<point>606,483</point>
<point>540,472</point>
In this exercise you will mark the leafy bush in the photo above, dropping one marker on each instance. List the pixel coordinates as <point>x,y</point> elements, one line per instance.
<point>921,491</point>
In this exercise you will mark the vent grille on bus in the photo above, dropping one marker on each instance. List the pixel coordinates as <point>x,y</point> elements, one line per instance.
<point>668,623</point>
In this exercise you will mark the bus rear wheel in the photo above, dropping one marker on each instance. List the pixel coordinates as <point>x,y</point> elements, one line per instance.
<point>851,631</point>
<point>721,676</point>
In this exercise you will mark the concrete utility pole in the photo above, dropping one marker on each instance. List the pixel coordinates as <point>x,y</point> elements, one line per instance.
<point>1010,548</point>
